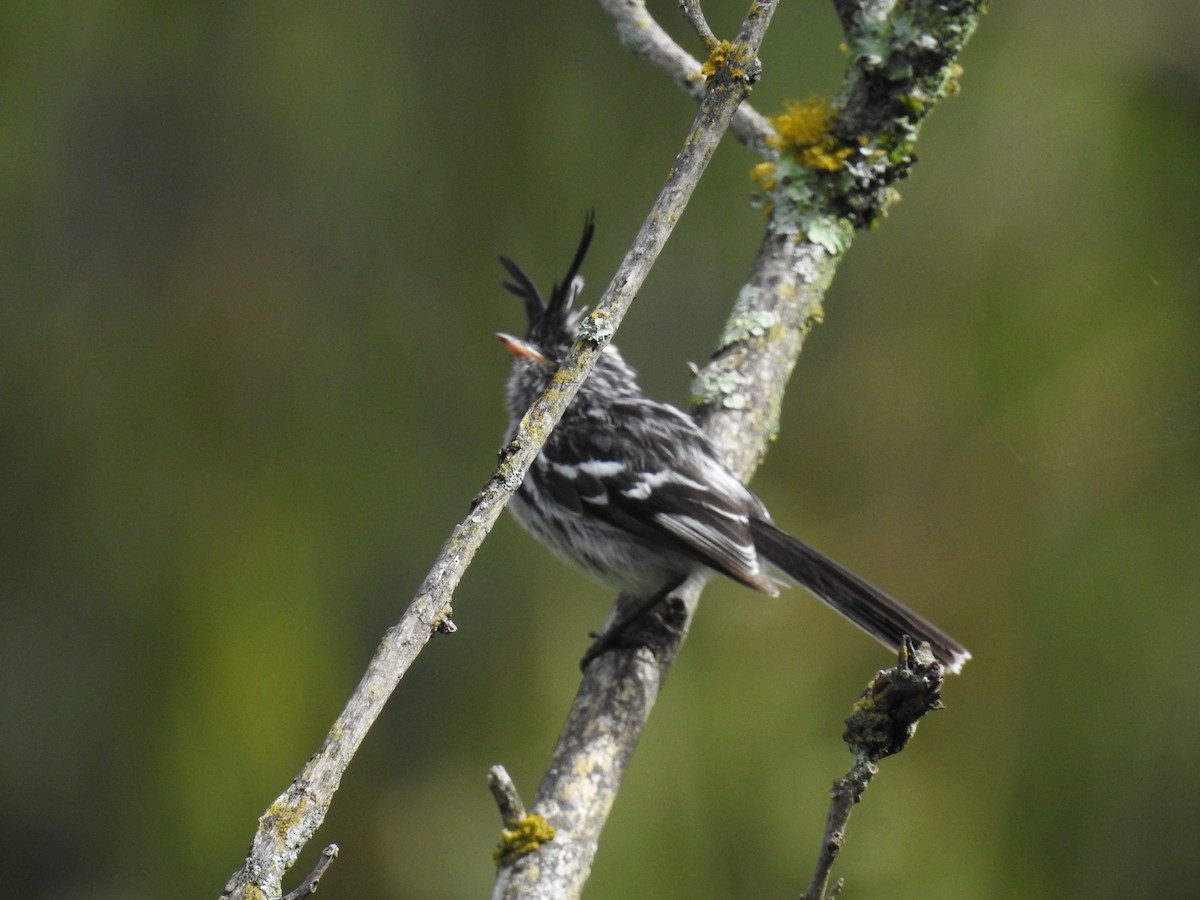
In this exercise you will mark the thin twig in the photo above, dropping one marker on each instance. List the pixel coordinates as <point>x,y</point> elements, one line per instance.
<point>695,17</point>
<point>328,855</point>
<point>639,32</point>
<point>501,785</point>
<point>522,833</point>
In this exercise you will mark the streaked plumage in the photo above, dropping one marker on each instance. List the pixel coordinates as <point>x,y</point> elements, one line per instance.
<point>630,490</point>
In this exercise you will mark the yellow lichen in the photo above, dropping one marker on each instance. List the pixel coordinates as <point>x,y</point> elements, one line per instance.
<point>802,130</point>
<point>718,57</point>
<point>523,835</point>
<point>764,174</point>
<point>285,814</point>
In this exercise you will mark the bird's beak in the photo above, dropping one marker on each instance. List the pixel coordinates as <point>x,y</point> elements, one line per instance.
<point>518,347</point>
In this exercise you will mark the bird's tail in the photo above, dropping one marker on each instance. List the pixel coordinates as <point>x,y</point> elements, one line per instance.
<point>869,608</point>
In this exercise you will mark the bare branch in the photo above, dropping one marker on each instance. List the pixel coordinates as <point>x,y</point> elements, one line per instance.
<point>695,16</point>
<point>328,855</point>
<point>638,31</point>
<point>501,785</point>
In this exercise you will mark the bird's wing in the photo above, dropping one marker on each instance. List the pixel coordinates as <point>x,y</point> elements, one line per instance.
<point>655,475</point>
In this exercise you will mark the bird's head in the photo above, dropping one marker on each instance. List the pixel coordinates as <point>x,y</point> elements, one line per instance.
<point>551,330</point>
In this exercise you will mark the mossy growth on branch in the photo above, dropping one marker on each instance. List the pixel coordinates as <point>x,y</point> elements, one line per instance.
<point>521,836</point>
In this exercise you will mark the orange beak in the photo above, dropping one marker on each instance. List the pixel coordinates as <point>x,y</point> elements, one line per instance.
<point>518,347</point>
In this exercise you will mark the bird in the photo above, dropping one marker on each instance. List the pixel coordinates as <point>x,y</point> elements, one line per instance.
<point>630,489</point>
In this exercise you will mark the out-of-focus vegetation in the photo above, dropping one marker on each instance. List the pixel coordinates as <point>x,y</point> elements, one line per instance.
<point>248,382</point>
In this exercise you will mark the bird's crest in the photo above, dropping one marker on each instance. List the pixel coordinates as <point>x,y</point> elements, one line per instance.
<point>555,322</point>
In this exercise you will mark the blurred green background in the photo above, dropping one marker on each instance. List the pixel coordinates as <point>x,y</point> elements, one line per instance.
<point>248,383</point>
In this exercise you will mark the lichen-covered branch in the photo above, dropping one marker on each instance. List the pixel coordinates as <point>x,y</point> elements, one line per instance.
<point>744,386</point>
<point>881,724</point>
<point>619,688</point>
<point>818,191</point>
<point>830,172</point>
<point>839,159</point>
